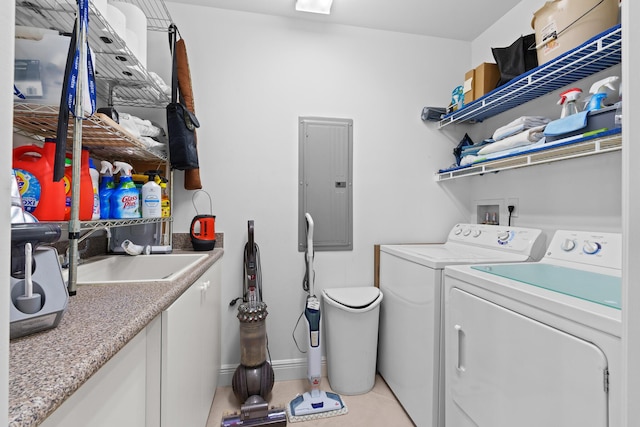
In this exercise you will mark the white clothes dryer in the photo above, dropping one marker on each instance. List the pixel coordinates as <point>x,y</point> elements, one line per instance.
<point>411,277</point>
<point>537,344</point>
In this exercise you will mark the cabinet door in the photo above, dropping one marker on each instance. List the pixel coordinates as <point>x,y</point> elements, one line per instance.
<point>181,361</point>
<point>210,322</point>
<point>114,396</point>
<point>191,352</point>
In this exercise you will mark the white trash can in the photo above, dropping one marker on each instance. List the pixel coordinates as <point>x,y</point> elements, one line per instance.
<point>351,337</point>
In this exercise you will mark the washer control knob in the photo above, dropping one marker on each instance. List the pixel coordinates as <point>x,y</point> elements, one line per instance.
<point>477,233</point>
<point>466,232</point>
<point>503,236</point>
<point>568,245</point>
<point>457,231</point>
<point>591,248</point>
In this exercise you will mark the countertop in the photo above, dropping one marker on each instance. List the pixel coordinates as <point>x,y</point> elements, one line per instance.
<point>47,367</point>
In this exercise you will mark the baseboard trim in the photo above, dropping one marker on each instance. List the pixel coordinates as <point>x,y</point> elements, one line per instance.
<point>284,370</point>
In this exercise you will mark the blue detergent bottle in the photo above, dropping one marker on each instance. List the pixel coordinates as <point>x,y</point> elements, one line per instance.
<point>107,185</point>
<point>125,200</point>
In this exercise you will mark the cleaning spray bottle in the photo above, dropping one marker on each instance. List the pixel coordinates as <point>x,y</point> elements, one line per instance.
<point>598,93</point>
<point>106,188</point>
<point>568,100</point>
<point>125,200</point>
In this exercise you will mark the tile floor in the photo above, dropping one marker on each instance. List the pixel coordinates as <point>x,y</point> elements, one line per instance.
<point>378,407</point>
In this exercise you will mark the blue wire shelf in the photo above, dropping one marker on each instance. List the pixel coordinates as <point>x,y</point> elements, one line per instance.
<point>596,54</point>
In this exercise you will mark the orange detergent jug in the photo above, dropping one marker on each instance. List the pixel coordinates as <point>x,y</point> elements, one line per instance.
<point>86,187</point>
<point>41,196</point>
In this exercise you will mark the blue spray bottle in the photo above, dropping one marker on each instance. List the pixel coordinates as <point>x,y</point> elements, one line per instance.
<point>125,200</point>
<point>599,93</point>
<point>107,185</point>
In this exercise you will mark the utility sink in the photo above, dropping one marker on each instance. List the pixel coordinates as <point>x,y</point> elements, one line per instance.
<point>140,268</point>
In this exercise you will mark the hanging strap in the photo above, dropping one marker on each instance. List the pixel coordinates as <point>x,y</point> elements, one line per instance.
<point>63,113</point>
<point>88,91</point>
<point>173,34</point>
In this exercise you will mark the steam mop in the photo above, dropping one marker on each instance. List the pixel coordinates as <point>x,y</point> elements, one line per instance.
<point>253,379</point>
<point>315,403</point>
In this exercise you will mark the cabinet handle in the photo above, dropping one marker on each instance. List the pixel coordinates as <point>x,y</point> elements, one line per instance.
<point>460,350</point>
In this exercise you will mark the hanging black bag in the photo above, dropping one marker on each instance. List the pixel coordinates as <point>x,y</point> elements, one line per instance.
<point>516,59</point>
<point>181,123</point>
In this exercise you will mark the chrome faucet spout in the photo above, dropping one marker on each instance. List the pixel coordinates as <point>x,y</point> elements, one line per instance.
<point>107,230</point>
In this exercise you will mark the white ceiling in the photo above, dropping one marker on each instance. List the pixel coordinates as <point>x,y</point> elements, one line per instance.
<point>453,19</point>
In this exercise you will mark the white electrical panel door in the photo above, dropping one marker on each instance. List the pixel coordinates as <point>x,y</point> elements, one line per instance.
<point>504,370</point>
<point>325,182</point>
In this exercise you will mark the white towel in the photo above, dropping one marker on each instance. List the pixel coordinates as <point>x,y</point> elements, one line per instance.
<point>526,137</point>
<point>519,124</point>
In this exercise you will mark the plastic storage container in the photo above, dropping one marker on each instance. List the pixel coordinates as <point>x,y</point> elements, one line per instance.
<point>351,332</point>
<point>573,21</point>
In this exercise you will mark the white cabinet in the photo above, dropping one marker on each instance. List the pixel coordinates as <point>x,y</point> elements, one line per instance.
<point>191,352</point>
<point>165,376</point>
<point>116,395</point>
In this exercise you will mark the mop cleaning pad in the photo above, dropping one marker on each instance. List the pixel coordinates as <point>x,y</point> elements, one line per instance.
<point>317,415</point>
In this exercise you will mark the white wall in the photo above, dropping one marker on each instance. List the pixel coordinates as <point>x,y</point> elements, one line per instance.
<point>253,75</point>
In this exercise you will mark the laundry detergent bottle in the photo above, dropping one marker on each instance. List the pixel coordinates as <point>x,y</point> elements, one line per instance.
<point>41,195</point>
<point>95,179</point>
<point>107,185</point>
<point>125,200</point>
<point>151,199</point>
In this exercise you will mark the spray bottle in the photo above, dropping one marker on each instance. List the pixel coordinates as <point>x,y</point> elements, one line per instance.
<point>568,100</point>
<point>106,188</point>
<point>125,200</point>
<point>599,93</point>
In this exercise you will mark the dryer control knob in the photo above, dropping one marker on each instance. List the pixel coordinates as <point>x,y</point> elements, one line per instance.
<point>466,232</point>
<point>503,236</point>
<point>458,231</point>
<point>591,248</point>
<point>477,233</point>
<point>568,245</point>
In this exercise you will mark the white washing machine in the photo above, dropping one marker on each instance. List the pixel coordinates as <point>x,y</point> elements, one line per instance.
<point>411,278</point>
<point>537,344</point>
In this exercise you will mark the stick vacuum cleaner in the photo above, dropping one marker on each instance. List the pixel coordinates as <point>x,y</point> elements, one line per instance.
<point>254,378</point>
<point>315,403</point>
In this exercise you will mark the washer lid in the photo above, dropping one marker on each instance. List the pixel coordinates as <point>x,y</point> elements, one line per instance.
<point>359,297</point>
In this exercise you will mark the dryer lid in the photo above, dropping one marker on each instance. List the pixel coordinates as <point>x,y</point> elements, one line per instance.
<point>358,297</point>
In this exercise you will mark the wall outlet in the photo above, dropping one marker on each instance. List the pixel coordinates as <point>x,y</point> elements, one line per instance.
<point>513,201</point>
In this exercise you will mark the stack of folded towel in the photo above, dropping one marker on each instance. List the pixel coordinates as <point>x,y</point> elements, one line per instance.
<point>523,131</point>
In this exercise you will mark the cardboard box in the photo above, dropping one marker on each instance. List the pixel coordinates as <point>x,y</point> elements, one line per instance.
<point>480,81</point>
<point>561,25</point>
<point>467,88</point>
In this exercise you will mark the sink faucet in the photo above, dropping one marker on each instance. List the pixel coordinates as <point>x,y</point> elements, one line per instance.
<point>65,263</point>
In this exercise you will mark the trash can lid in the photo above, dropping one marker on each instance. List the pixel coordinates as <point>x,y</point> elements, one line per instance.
<point>358,297</point>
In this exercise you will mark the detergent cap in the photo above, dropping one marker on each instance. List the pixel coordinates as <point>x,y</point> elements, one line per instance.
<point>106,168</point>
